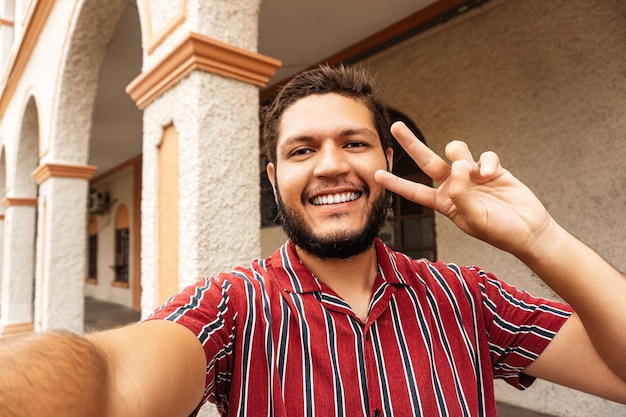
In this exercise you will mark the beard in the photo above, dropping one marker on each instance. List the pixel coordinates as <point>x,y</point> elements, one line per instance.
<point>342,244</point>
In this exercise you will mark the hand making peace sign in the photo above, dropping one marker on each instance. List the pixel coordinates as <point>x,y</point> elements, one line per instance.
<point>481,197</point>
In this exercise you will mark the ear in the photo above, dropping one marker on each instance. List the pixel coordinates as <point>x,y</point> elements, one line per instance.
<point>389,156</point>
<point>270,169</point>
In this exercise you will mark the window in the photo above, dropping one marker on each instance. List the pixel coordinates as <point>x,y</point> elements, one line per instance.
<point>122,247</point>
<point>411,227</point>
<point>92,249</point>
<point>93,257</point>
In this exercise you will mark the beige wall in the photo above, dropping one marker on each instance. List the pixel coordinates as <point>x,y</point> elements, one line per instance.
<point>541,83</point>
<point>120,188</point>
<point>271,239</point>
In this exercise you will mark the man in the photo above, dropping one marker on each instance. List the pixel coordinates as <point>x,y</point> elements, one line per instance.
<point>334,322</point>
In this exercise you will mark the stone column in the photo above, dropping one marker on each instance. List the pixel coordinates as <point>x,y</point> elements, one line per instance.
<point>201,77</point>
<point>61,246</point>
<point>218,129</point>
<point>18,265</point>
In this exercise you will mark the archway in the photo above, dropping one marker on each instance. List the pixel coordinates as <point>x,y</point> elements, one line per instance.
<point>20,231</point>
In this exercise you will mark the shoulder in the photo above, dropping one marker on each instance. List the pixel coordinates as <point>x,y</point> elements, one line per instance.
<point>209,293</point>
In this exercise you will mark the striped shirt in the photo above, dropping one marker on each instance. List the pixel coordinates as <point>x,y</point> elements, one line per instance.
<point>279,342</point>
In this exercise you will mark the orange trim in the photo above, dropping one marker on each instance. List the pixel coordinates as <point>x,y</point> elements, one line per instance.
<point>35,22</point>
<point>136,235</point>
<point>119,284</point>
<point>116,169</point>
<point>17,201</point>
<point>17,328</point>
<point>202,53</point>
<point>4,22</point>
<point>1,217</point>
<point>43,172</point>
<point>170,26</point>
<point>380,38</point>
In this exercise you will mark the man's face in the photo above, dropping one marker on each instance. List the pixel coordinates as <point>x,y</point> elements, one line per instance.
<point>327,153</point>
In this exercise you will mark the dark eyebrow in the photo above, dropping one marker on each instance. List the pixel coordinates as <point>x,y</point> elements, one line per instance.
<point>296,139</point>
<point>361,131</point>
<point>343,134</point>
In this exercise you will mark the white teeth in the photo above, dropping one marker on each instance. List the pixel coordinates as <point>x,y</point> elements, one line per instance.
<point>335,199</point>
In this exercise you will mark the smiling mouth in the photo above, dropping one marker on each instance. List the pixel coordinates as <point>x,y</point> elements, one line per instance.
<point>335,198</point>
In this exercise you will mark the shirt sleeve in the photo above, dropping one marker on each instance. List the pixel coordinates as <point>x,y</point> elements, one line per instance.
<point>207,309</point>
<point>519,327</point>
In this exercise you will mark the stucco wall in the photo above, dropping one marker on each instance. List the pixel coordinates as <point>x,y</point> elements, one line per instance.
<point>542,84</point>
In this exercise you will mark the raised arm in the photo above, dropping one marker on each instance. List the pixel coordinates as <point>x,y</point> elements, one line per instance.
<point>151,369</point>
<point>488,202</point>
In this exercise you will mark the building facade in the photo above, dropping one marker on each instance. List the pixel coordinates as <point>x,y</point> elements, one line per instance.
<point>130,147</point>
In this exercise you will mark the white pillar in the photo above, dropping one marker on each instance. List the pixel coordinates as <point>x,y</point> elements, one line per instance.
<point>211,98</point>
<point>205,85</point>
<point>61,246</point>
<point>18,265</point>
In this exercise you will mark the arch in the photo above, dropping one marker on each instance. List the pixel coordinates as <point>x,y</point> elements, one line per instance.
<point>122,219</point>
<point>116,124</point>
<point>93,25</point>
<point>26,152</point>
<point>21,229</point>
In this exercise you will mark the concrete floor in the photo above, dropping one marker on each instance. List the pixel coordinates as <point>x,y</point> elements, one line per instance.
<point>101,315</point>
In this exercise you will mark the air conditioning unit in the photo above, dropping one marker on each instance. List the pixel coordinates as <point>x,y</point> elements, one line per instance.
<point>99,202</point>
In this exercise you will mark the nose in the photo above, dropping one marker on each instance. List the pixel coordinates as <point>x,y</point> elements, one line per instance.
<point>331,162</point>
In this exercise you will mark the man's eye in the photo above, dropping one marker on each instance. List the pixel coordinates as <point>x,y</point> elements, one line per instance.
<point>355,145</point>
<point>301,151</point>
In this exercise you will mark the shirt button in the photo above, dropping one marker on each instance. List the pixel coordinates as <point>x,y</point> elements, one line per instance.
<point>377,413</point>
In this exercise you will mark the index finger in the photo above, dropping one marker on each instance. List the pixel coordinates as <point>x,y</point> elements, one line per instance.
<point>432,164</point>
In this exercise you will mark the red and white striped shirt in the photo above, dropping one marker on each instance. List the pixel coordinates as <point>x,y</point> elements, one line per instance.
<point>279,342</point>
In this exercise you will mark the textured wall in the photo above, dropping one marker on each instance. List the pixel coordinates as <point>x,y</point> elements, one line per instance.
<point>542,84</point>
<point>217,122</point>
<point>219,208</point>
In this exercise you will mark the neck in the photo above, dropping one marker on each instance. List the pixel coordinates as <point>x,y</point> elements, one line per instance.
<point>352,278</point>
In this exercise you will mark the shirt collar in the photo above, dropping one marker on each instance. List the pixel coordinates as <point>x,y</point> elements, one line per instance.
<point>294,277</point>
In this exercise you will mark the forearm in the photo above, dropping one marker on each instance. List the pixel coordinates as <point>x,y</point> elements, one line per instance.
<point>56,374</point>
<point>594,288</point>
